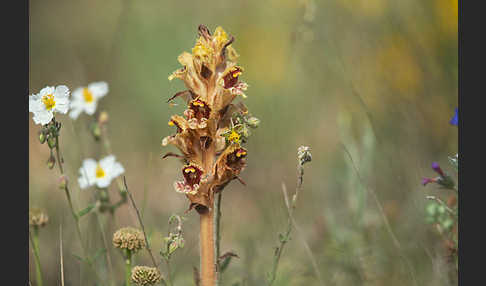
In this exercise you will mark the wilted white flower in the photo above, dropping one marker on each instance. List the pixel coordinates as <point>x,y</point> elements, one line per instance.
<point>100,173</point>
<point>86,98</point>
<point>47,101</point>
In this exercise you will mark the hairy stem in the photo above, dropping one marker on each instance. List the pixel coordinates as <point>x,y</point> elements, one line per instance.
<point>217,234</point>
<point>207,251</point>
<point>34,240</point>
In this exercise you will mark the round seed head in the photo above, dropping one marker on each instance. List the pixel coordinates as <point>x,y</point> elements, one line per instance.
<point>38,217</point>
<point>129,238</point>
<point>144,275</point>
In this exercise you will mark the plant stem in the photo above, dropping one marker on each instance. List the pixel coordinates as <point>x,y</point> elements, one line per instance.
<point>207,251</point>
<point>75,216</point>
<point>128,267</point>
<point>217,234</point>
<point>35,246</point>
<point>169,277</point>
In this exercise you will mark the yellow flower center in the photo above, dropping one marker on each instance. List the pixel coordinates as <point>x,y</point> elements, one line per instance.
<point>100,173</point>
<point>190,170</point>
<point>240,153</point>
<point>88,96</point>
<point>48,101</point>
<point>234,137</point>
<point>171,123</point>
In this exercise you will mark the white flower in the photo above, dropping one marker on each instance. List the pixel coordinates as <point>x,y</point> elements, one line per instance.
<point>99,173</point>
<point>48,101</point>
<point>86,98</point>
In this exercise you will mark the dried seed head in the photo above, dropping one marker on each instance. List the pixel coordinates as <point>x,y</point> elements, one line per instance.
<point>304,155</point>
<point>129,238</point>
<point>144,275</point>
<point>38,217</point>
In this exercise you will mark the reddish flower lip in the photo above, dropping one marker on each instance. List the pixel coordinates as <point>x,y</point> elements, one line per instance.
<point>236,155</point>
<point>200,108</point>
<point>231,79</point>
<point>192,175</point>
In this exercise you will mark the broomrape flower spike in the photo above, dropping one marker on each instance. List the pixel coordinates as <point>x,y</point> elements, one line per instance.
<point>206,135</point>
<point>206,128</point>
<point>99,173</point>
<point>48,101</point>
<point>85,99</point>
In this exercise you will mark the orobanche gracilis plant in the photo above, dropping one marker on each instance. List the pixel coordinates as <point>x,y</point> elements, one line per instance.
<point>210,133</point>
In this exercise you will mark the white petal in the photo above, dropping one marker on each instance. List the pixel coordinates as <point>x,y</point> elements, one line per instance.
<point>35,103</point>
<point>98,89</point>
<point>90,108</point>
<point>77,94</point>
<point>107,162</point>
<point>47,90</point>
<point>62,105</point>
<point>75,112</point>
<point>103,182</point>
<point>42,117</point>
<point>61,91</point>
<point>116,170</point>
<point>88,171</point>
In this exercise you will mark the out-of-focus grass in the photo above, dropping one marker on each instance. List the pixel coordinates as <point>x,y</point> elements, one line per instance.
<point>379,77</point>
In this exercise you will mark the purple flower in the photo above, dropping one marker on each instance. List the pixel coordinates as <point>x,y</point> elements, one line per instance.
<point>454,120</point>
<point>425,181</point>
<point>437,169</point>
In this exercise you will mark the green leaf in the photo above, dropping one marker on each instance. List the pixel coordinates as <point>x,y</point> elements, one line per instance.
<point>86,210</point>
<point>99,253</point>
<point>79,258</point>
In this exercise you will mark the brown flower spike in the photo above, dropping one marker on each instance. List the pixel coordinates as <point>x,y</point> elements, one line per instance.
<point>210,132</point>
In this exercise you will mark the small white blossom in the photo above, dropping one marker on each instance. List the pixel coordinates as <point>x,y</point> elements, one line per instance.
<point>86,98</point>
<point>47,101</point>
<point>99,173</point>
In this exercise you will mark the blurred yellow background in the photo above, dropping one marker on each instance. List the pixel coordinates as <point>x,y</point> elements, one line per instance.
<point>378,77</point>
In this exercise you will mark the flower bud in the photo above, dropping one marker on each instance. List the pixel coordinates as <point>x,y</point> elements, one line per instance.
<point>253,122</point>
<point>95,131</point>
<point>63,182</point>
<point>103,118</point>
<point>51,162</point>
<point>38,217</point>
<point>304,155</point>
<point>42,137</point>
<point>51,141</point>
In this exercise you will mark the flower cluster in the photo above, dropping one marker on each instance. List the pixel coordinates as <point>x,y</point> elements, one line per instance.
<point>52,100</point>
<point>129,238</point>
<point>212,129</point>
<point>144,275</point>
<point>444,214</point>
<point>38,217</point>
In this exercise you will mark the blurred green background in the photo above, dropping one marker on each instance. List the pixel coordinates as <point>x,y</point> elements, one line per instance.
<point>377,77</point>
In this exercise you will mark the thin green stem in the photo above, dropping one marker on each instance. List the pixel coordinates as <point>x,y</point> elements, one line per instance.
<point>34,240</point>
<point>128,267</point>
<point>169,277</point>
<point>70,203</point>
